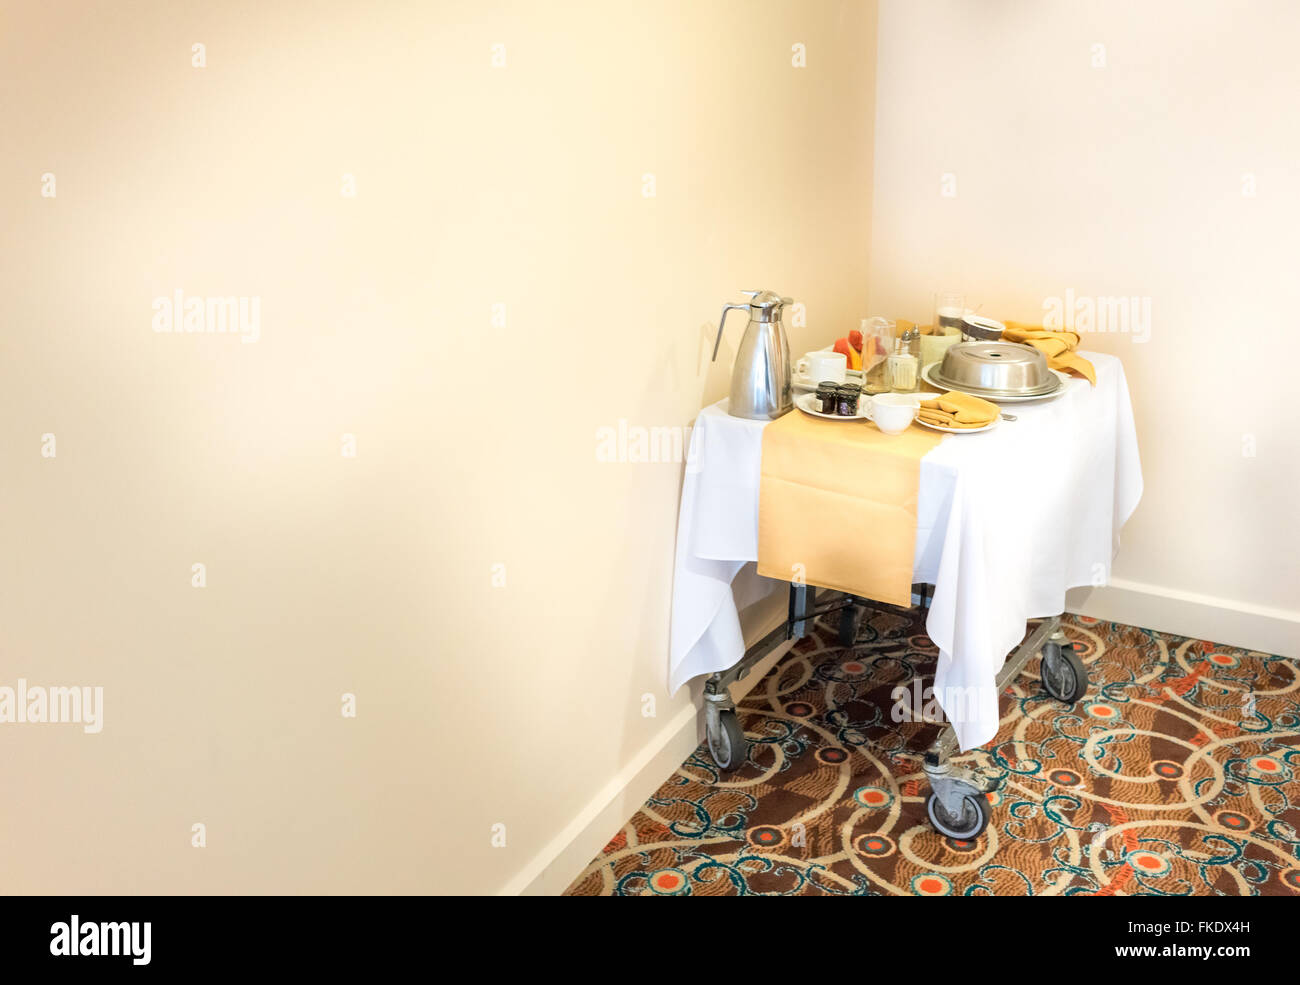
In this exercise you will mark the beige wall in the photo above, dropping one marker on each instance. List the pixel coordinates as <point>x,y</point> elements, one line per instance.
<point>476,186</point>
<point>1125,178</point>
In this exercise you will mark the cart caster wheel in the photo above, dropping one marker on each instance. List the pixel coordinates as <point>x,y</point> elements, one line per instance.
<point>1064,674</point>
<point>848,625</point>
<point>727,743</point>
<point>974,818</point>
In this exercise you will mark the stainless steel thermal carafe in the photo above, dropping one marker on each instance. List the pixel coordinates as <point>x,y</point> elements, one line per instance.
<point>760,378</point>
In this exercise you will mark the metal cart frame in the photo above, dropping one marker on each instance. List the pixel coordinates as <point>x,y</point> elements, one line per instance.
<point>957,805</point>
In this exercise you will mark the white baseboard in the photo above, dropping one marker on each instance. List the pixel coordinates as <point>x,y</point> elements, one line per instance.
<point>1203,617</point>
<point>555,867</point>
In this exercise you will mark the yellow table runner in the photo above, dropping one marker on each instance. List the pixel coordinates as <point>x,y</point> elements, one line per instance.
<point>837,505</point>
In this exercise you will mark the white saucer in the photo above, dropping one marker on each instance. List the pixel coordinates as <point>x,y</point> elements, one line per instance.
<point>807,402</point>
<point>802,383</point>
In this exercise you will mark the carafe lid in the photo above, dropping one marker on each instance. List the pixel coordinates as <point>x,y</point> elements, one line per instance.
<point>765,299</point>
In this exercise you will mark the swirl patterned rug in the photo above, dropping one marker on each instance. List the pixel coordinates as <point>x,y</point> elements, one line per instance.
<point>1177,774</point>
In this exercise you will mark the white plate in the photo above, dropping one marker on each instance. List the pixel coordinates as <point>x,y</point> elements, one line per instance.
<point>939,427</point>
<point>925,375</point>
<point>807,402</point>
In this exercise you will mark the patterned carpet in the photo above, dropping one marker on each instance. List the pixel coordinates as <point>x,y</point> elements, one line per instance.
<point>1177,774</point>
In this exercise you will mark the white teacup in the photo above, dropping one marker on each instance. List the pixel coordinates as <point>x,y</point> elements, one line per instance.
<point>823,366</point>
<point>893,412</point>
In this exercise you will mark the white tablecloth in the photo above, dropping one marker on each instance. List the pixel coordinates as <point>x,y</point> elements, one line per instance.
<point>1007,520</point>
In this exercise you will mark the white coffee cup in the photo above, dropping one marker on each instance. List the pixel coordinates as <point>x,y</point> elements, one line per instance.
<point>893,412</point>
<point>822,366</point>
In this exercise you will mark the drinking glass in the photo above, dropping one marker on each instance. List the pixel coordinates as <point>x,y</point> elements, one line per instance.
<point>949,309</point>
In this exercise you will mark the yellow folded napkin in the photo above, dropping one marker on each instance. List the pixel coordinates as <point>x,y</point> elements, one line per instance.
<point>1058,347</point>
<point>958,410</point>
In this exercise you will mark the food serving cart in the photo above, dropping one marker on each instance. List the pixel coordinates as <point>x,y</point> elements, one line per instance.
<point>1007,521</point>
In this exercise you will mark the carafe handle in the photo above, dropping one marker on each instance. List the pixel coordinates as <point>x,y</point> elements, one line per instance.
<point>722,319</point>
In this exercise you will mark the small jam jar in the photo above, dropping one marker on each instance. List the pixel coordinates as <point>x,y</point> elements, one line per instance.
<point>828,397</point>
<point>846,403</point>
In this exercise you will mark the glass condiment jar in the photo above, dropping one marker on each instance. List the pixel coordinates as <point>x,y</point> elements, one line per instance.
<point>847,400</point>
<point>828,397</point>
<point>901,368</point>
